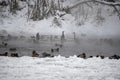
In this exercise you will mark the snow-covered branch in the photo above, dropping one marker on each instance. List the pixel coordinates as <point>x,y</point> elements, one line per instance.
<point>97,1</point>
<point>107,3</point>
<point>111,4</point>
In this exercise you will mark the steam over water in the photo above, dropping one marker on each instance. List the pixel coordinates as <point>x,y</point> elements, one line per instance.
<point>90,46</point>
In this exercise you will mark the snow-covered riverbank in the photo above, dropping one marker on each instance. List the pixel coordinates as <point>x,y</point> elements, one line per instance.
<point>58,68</point>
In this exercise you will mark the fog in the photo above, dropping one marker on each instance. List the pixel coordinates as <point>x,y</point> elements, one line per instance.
<point>92,46</point>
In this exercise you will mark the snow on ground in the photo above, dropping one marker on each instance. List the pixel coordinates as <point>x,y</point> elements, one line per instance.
<point>58,68</point>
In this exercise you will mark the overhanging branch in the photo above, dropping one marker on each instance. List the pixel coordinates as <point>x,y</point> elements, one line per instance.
<point>111,4</point>
<point>97,1</point>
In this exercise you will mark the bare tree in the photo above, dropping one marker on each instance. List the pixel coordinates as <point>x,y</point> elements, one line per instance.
<point>43,9</point>
<point>13,4</point>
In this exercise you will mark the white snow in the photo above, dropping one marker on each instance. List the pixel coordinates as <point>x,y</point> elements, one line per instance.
<point>59,68</point>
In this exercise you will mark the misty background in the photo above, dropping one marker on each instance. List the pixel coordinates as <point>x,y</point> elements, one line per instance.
<point>90,26</point>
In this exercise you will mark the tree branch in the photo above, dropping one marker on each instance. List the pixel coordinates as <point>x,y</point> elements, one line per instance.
<point>112,4</point>
<point>101,2</point>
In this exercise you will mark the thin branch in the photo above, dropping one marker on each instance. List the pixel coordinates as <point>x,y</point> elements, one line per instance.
<point>117,11</point>
<point>89,5</point>
<point>108,3</point>
<point>112,4</point>
<point>101,2</point>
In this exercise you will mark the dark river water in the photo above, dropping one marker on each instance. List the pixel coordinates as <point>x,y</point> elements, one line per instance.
<point>90,46</point>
